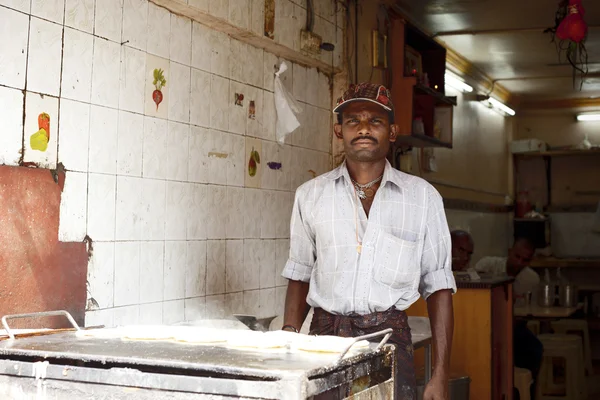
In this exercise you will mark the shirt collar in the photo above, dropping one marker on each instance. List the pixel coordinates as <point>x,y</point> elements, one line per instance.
<point>389,174</point>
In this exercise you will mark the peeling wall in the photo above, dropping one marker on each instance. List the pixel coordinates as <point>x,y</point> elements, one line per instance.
<point>160,182</point>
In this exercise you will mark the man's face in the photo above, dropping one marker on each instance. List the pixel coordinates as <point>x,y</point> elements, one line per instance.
<point>365,131</point>
<point>462,250</point>
<point>519,257</point>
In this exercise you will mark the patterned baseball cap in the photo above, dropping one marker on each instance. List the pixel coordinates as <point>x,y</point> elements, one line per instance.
<point>366,91</point>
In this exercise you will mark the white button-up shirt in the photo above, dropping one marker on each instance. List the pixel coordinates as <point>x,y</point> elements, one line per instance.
<point>406,248</point>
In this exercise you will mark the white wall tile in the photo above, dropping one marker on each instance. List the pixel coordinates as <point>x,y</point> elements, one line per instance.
<point>270,154</point>
<point>103,140</point>
<point>200,100</point>
<point>79,14</point>
<point>238,113</point>
<point>197,212</point>
<point>199,4</point>
<point>270,66</point>
<point>100,318</point>
<point>267,303</point>
<point>35,105</point>
<point>252,302</point>
<point>105,70</point>
<point>235,213</point>
<point>201,46</point>
<point>132,85</point>
<point>20,5</point>
<point>269,117</point>
<point>254,68</point>
<point>299,82</point>
<point>215,267</point>
<point>175,267</point>
<point>219,106</point>
<point>216,307</point>
<point>181,40</point>
<point>177,151</point>
<point>154,65</point>
<point>14,33</point>
<point>284,21</point>
<point>198,158</point>
<point>102,200</point>
<point>74,134</point>
<point>257,18</point>
<point>195,270</point>
<point>195,308</point>
<point>236,162</point>
<point>324,92</point>
<point>77,65</point>
<point>130,144</point>
<point>153,209</point>
<point>11,140</point>
<point>268,223</point>
<point>155,148</point>
<point>128,210</point>
<point>151,271</point>
<point>282,253</point>
<point>127,273</point>
<point>52,10</point>
<point>215,227</point>
<point>158,30</point>
<point>219,8</point>
<point>101,273</point>
<point>324,133</point>
<point>267,265</point>
<point>280,294</point>
<point>178,200</point>
<point>312,86</point>
<point>220,53</point>
<point>73,207</point>
<point>151,314</point>
<point>234,266</point>
<point>218,149</point>
<point>255,125</point>
<point>135,23</point>
<point>253,199</point>
<point>253,255</point>
<point>239,13</point>
<point>179,93</point>
<point>109,19</point>
<point>129,315</point>
<point>234,302</point>
<point>44,57</point>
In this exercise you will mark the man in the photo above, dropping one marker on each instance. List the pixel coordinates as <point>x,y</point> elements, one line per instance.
<point>462,250</point>
<point>366,239</point>
<point>527,349</point>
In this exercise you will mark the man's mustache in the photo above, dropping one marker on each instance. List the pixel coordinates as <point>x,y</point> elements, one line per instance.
<point>364,138</point>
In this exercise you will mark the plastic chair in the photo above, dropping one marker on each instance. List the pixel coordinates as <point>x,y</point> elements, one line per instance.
<point>522,382</point>
<point>580,327</point>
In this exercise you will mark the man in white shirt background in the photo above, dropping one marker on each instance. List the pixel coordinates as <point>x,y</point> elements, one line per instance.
<point>367,240</point>
<point>527,349</point>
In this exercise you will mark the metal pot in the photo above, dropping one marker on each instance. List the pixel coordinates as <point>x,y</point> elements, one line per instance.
<point>546,295</point>
<point>567,295</point>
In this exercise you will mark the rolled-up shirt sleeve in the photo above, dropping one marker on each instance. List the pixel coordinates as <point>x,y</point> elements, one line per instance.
<point>302,257</point>
<point>436,261</point>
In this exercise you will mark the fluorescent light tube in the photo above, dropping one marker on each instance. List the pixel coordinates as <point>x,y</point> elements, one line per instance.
<point>496,104</point>
<point>588,117</point>
<point>457,84</point>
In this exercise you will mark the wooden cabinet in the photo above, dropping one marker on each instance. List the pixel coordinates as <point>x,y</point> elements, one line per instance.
<point>482,345</point>
<point>423,112</point>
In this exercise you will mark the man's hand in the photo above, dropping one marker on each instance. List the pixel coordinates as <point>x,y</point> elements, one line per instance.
<point>436,389</point>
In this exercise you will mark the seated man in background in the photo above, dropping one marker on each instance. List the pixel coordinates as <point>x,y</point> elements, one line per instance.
<point>462,250</point>
<point>527,349</point>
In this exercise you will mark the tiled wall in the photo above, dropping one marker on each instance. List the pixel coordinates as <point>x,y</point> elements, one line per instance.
<point>179,228</point>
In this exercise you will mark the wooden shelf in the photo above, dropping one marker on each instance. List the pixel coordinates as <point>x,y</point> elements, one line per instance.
<point>418,140</point>
<point>553,262</point>
<point>439,97</point>
<point>558,153</point>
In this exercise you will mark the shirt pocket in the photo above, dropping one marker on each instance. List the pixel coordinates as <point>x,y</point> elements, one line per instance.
<point>396,261</point>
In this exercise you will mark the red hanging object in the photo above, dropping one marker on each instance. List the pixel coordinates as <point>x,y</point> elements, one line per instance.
<point>573,27</point>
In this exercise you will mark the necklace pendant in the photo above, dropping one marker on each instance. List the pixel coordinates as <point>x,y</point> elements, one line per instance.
<point>361,194</point>
<point>359,248</point>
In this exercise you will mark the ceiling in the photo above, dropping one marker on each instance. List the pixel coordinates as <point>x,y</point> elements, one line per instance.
<point>505,40</point>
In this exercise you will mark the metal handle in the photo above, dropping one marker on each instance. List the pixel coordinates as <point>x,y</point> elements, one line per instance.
<point>37,315</point>
<point>387,332</point>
